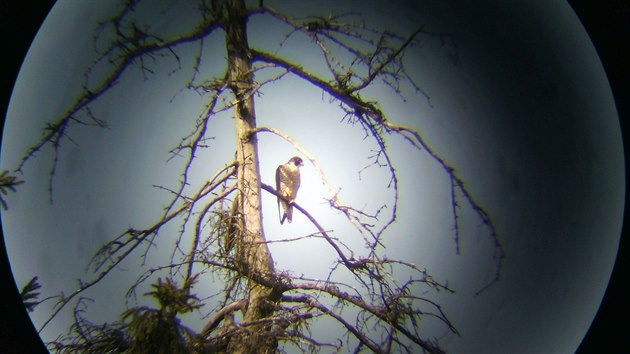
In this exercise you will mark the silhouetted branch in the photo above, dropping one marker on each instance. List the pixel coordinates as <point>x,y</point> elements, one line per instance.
<point>374,121</point>
<point>7,183</point>
<point>121,56</point>
<point>211,237</point>
<point>29,294</point>
<point>354,215</point>
<point>393,298</point>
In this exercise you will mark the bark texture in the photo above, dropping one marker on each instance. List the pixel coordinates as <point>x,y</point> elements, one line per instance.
<point>254,256</point>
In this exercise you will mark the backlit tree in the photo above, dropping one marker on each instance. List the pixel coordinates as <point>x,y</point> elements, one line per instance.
<point>379,302</point>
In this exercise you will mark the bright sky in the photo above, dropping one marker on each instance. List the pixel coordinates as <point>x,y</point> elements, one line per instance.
<point>518,103</point>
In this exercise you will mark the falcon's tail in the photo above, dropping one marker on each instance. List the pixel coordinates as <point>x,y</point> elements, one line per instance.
<point>288,211</point>
<point>280,213</point>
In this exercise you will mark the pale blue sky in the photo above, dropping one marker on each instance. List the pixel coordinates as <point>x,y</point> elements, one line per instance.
<point>518,103</point>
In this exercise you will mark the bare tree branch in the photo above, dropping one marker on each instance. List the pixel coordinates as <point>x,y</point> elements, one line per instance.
<point>218,224</point>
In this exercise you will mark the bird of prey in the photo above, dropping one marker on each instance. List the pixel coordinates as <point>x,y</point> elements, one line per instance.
<point>287,185</point>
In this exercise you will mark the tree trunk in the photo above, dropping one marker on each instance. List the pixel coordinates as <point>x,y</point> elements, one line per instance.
<point>252,253</point>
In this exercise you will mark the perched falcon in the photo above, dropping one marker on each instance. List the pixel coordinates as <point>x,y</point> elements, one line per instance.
<point>287,185</point>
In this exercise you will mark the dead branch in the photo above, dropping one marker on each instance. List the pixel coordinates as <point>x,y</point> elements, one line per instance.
<point>286,304</point>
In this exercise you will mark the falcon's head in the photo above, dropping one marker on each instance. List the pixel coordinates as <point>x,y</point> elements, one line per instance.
<point>296,161</point>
